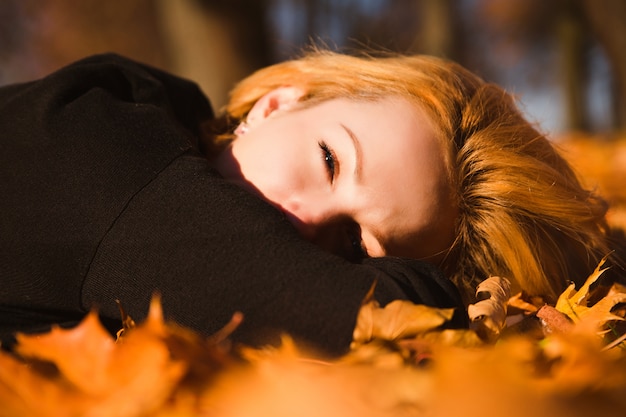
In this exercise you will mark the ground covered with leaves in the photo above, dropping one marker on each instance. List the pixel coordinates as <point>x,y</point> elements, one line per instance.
<point>519,357</point>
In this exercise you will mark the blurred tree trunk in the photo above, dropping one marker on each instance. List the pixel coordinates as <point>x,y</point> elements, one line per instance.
<point>608,20</point>
<point>572,40</point>
<point>216,42</point>
<point>12,39</point>
<point>47,34</point>
<point>438,34</point>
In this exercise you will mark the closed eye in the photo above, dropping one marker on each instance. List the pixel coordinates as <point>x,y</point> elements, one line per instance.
<point>330,160</point>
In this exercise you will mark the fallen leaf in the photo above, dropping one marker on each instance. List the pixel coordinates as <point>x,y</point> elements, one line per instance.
<point>553,321</point>
<point>82,371</point>
<point>574,303</point>
<point>284,385</point>
<point>592,318</point>
<point>488,316</point>
<point>397,320</point>
<point>519,302</point>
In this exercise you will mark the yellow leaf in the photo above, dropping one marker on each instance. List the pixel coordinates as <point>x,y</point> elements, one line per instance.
<point>596,316</point>
<point>574,303</point>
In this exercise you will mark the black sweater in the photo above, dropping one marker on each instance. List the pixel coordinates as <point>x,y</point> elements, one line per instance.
<point>104,195</point>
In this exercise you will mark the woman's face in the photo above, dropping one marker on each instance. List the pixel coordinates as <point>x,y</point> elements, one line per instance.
<point>358,178</point>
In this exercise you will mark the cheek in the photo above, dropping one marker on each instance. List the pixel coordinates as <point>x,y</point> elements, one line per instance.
<point>274,170</point>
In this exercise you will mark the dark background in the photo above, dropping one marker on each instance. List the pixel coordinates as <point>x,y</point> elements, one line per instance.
<point>564,59</point>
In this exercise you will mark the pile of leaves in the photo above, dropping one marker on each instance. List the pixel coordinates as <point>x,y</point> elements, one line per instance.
<point>517,358</point>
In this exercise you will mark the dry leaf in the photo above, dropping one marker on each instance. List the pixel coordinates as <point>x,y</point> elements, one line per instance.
<point>115,379</point>
<point>82,371</point>
<point>403,364</point>
<point>591,318</point>
<point>488,316</point>
<point>285,386</point>
<point>600,313</point>
<point>518,377</point>
<point>574,303</point>
<point>553,321</point>
<point>397,320</point>
<point>519,302</point>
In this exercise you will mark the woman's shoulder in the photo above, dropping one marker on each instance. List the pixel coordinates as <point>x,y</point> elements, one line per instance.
<point>75,149</point>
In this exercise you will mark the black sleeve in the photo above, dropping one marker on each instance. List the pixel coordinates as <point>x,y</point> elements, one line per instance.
<point>74,148</point>
<point>108,199</point>
<point>211,249</point>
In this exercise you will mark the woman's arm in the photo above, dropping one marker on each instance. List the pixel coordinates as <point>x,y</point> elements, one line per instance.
<point>107,197</point>
<point>74,149</point>
<point>212,249</point>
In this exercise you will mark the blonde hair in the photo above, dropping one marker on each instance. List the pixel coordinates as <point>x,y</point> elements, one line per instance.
<point>522,212</point>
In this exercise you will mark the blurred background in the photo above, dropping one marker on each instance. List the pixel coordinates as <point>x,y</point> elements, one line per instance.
<point>565,60</point>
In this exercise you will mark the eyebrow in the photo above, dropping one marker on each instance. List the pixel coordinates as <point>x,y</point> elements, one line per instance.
<point>358,151</point>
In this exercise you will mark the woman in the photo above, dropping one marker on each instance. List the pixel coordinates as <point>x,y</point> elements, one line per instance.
<point>386,162</point>
<point>506,202</point>
<point>107,196</point>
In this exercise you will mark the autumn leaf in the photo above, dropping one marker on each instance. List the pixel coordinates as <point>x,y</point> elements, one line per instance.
<point>598,315</point>
<point>401,333</point>
<point>281,383</point>
<point>114,379</point>
<point>33,389</point>
<point>398,319</point>
<point>82,355</point>
<point>573,302</point>
<point>488,316</point>
<point>553,321</point>
<point>519,302</point>
<point>82,371</point>
<point>402,364</point>
<point>518,377</point>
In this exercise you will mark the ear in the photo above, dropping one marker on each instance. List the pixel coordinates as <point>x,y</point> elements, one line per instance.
<point>281,98</point>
